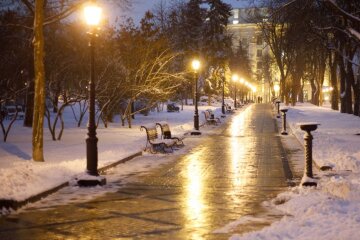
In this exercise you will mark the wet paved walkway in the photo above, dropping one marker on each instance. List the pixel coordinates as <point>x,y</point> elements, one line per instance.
<point>224,178</point>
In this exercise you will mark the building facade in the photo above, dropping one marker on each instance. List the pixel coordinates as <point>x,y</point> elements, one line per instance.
<point>243,27</point>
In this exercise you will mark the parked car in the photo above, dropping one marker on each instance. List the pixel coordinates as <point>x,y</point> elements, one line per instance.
<point>171,107</point>
<point>10,112</point>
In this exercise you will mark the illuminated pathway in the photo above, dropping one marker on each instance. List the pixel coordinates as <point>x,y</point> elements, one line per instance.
<point>223,179</point>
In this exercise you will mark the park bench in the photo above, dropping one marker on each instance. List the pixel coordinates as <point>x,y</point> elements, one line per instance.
<point>166,133</point>
<point>153,143</point>
<point>210,119</point>
<point>228,108</point>
<point>212,115</point>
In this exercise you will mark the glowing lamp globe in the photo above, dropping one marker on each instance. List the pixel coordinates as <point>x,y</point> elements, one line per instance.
<point>195,64</point>
<point>276,88</point>
<point>235,77</point>
<point>92,15</point>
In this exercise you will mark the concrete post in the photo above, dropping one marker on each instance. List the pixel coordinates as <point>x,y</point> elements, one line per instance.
<point>308,173</point>
<point>284,132</point>
<point>278,108</point>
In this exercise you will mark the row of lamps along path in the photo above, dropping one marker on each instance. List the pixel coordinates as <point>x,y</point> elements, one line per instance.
<point>92,15</point>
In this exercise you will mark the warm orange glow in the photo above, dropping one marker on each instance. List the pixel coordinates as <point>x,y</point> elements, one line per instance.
<point>276,87</point>
<point>235,77</point>
<point>195,64</point>
<point>92,15</point>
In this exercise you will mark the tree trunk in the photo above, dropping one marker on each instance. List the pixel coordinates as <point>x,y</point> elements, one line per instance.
<point>334,84</point>
<point>39,97</point>
<point>132,109</point>
<point>314,93</point>
<point>301,92</point>
<point>129,120</point>
<point>55,103</point>
<point>356,98</point>
<point>296,86</point>
<point>282,87</point>
<point>357,95</point>
<point>349,83</point>
<point>62,127</point>
<point>321,77</point>
<point>51,129</point>
<point>342,85</point>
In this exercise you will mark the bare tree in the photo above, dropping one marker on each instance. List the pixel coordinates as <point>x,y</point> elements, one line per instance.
<point>58,10</point>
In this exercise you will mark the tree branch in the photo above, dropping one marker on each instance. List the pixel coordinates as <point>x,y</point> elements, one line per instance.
<point>29,6</point>
<point>331,4</point>
<point>63,14</point>
<point>17,25</point>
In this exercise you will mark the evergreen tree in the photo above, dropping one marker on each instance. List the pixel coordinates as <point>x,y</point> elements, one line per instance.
<point>193,27</point>
<point>240,62</point>
<point>217,43</point>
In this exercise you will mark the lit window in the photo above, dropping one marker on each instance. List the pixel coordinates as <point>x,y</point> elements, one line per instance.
<point>236,13</point>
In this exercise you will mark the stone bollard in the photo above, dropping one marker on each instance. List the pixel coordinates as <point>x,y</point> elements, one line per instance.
<point>278,108</point>
<point>284,132</point>
<point>308,179</point>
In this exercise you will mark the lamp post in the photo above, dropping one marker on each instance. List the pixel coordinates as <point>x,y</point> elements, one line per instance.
<point>195,64</point>
<point>223,95</point>
<point>92,16</point>
<point>235,78</point>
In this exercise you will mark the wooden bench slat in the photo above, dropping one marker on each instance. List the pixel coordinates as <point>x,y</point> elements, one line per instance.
<point>154,141</point>
<point>166,134</point>
<point>210,119</point>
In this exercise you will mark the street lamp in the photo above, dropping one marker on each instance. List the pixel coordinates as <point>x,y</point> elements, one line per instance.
<point>223,95</point>
<point>235,78</point>
<point>195,64</point>
<point>92,15</point>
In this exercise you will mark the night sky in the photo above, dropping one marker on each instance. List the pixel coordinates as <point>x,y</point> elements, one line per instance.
<point>140,6</point>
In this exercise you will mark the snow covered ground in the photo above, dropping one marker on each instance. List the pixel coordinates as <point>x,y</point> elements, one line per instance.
<point>332,210</point>
<point>22,178</point>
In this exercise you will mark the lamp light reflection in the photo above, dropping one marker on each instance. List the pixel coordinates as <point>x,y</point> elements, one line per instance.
<point>194,191</point>
<point>239,149</point>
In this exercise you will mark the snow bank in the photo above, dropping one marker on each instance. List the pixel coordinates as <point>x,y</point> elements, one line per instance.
<point>22,178</point>
<point>335,142</point>
<point>311,214</point>
<point>332,209</point>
